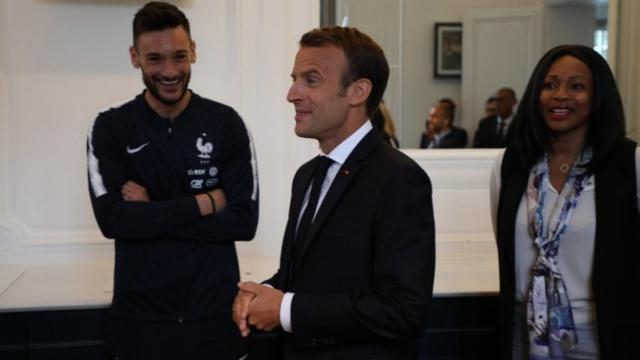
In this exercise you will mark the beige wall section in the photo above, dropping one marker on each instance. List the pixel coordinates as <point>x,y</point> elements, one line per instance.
<point>627,55</point>
<point>4,232</point>
<point>405,30</point>
<point>63,61</point>
<point>569,24</point>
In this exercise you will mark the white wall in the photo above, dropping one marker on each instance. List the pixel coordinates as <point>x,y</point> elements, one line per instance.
<point>62,61</point>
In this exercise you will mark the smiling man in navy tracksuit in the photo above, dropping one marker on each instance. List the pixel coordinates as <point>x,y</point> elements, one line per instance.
<point>172,177</point>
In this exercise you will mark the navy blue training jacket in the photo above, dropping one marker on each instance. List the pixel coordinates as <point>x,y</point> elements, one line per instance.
<point>171,263</point>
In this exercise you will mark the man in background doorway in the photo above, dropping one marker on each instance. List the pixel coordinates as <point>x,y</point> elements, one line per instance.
<point>493,131</point>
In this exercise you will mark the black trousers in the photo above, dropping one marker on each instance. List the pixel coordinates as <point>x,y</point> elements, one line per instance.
<point>209,338</point>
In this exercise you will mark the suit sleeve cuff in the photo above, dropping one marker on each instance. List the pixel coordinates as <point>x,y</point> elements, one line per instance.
<point>285,312</point>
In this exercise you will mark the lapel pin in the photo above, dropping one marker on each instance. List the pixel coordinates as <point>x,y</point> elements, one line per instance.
<point>345,172</point>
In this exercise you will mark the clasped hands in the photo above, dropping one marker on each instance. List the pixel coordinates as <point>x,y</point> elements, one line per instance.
<point>257,305</point>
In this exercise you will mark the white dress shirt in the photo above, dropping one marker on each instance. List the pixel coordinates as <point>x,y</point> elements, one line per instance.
<point>437,137</point>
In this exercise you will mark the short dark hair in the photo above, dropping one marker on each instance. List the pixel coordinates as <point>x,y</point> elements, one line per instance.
<point>606,120</point>
<point>449,108</point>
<point>158,16</point>
<point>491,99</point>
<point>364,56</point>
<point>508,90</point>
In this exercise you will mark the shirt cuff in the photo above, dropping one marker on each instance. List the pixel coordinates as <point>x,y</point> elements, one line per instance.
<point>285,312</point>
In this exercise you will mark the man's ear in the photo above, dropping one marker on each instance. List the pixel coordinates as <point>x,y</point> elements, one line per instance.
<point>359,91</point>
<point>193,52</point>
<point>135,59</point>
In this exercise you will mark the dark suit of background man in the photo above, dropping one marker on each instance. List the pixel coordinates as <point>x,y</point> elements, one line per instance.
<point>357,280</point>
<point>493,131</point>
<point>172,178</point>
<point>445,135</point>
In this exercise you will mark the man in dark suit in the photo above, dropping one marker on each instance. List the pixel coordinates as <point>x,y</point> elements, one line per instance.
<point>445,135</point>
<point>357,261</point>
<point>493,131</point>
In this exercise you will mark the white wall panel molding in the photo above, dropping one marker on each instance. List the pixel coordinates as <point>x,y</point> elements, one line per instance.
<point>9,233</point>
<point>460,180</point>
<point>501,48</point>
<point>456,169</point>
<point>482,237</point>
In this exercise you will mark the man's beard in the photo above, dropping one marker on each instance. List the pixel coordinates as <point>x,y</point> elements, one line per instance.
<point>153,88</point>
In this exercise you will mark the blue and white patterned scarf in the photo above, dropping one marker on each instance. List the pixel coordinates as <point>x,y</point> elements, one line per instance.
<point>549,315</point>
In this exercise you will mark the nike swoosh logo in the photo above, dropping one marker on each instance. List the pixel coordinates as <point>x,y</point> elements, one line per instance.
<point>135,150</point>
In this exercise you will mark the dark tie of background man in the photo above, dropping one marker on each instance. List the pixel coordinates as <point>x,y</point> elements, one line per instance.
<point>501,130</point>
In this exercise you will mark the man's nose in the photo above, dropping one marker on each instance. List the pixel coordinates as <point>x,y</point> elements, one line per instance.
<point>294,93</point>
<point>170,69</point>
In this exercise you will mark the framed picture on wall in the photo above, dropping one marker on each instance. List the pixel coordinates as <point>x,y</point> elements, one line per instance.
<point>447,51</point>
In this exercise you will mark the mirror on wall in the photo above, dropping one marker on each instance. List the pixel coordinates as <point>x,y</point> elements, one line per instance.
<point>502,40</point>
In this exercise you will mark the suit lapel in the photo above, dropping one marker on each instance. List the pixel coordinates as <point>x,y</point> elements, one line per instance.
<point>344,177</point>
<point>299,191</point>
<point>445,138</point>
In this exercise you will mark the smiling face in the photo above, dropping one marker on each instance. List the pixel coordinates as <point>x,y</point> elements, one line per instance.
<point>566,97</point>
<point>321,102</point>
<point>165,58</point>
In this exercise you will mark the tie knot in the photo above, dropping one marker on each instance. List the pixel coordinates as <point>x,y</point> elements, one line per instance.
<point>322,165</point>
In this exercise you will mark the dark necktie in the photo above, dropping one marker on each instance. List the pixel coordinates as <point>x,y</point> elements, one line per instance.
<point>501,131</point>
<point>320,171</point>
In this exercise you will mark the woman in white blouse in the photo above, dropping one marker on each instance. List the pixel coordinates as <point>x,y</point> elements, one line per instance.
<point>565,204</point>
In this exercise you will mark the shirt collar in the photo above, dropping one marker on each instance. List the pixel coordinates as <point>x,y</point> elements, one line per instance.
<point>442,134</point>
<point>341,152</point>
<point>506,121</point>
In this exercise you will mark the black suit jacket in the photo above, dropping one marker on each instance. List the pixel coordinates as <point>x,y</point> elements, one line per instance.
<point>487,134</point>
<point>364,278</point>
<point>456,138</point>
